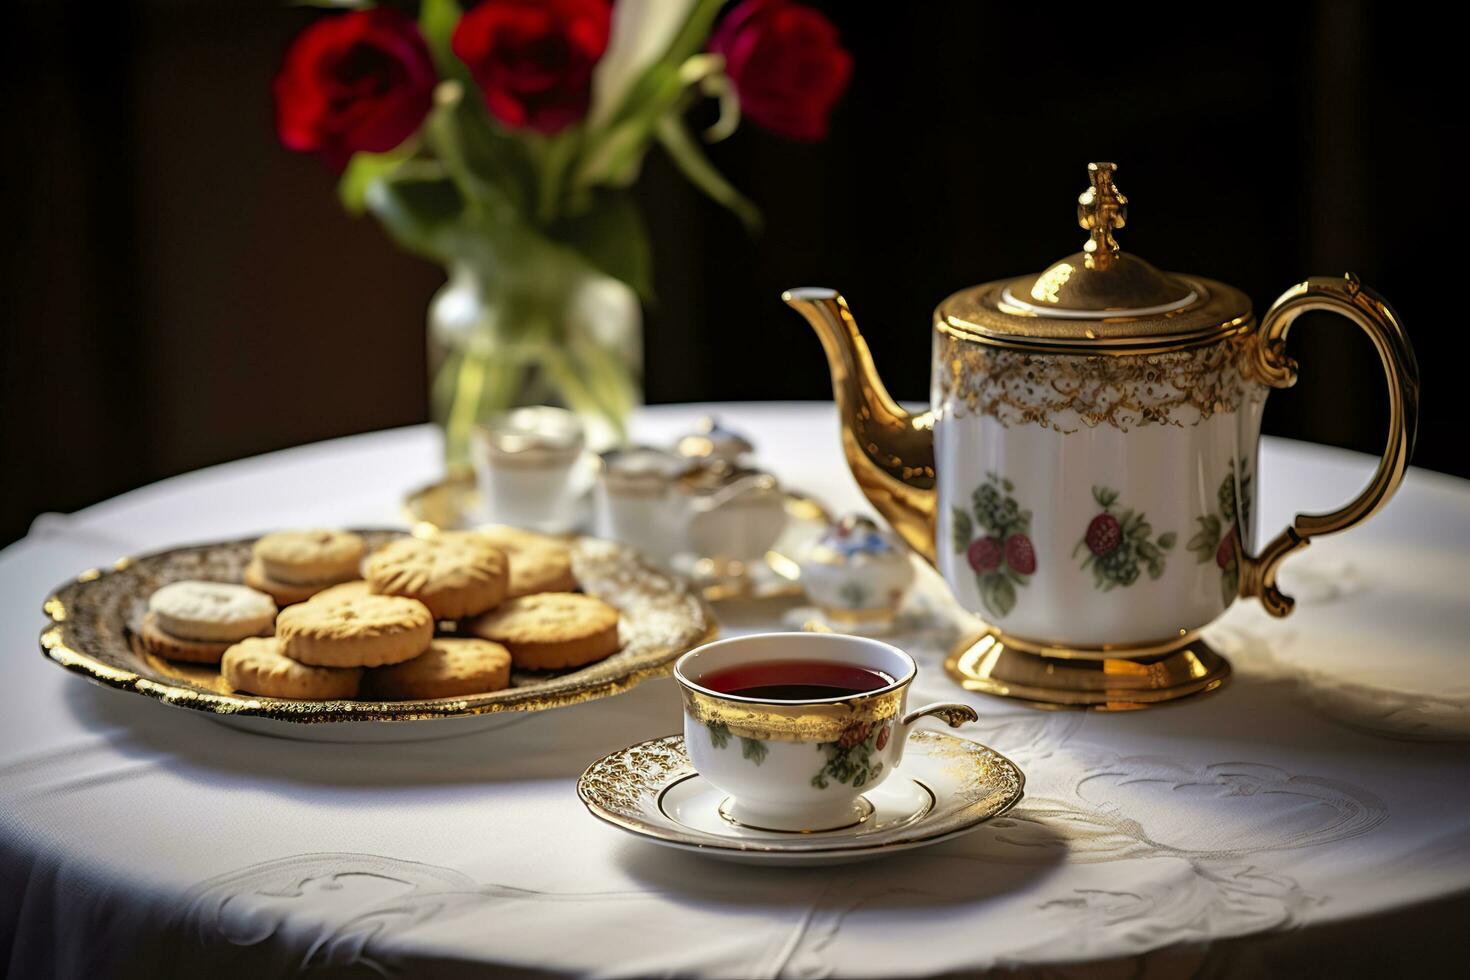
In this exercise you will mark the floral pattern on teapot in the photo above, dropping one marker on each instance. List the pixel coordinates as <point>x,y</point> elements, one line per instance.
<point>1120,544</point>
<point>1220,533</point>
<point>1002,556</point>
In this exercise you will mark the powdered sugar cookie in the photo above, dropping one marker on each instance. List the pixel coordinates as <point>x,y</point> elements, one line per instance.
<point>170,647</point>
<point>257,665</point>
<point>211,611</point>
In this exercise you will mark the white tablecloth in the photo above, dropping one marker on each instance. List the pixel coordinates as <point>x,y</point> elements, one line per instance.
<point>138,839</point>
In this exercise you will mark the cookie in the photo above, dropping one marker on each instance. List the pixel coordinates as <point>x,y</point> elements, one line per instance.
<point>257,665</point>
<point>343,590</point>
<point>355,631</point>
<point>538,563</point>
<point>284,593</point>
<point>455,575</point>
<point>211,611</point>
<point>162,644</point>
<point>448,669</point>
<point>309,557</point>
<point>552,629</point>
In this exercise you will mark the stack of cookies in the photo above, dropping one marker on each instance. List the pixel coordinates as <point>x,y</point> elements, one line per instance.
<point>437,617</point>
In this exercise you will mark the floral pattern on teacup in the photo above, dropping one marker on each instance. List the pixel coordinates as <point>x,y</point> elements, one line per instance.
<point>850,758</point>
<point>750,748</point>
<point>1002,556</point>
<point>1120,544</point>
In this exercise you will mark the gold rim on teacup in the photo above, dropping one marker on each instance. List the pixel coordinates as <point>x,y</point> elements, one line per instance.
<point>814,720</point>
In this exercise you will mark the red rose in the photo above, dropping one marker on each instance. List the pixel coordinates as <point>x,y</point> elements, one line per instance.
<point>533,59</point>
<point>357,81</point>
<point>787,63</point>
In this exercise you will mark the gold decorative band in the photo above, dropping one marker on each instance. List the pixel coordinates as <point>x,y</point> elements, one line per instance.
<point>793,722</point>
<point>1067,392</point>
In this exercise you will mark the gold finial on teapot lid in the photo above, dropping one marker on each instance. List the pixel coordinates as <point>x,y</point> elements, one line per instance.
<point>1101,209</point>
<point>1100,297</point>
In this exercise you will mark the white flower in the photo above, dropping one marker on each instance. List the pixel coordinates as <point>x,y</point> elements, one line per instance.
<point>641,33</point>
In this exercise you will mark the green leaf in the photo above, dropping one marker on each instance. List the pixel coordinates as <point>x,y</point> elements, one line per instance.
<point>690,159</point>
<point>493,169</point>
<point>719,734</point>
<point>961,529</point>
<point>612,238</point>
<point>1002,596</point>
<point>437,20</point>
<point>365,168</point>
<point>1105,496</point>
<point>420,208</point>
<point>1167,539</point>
<point>753,749</point>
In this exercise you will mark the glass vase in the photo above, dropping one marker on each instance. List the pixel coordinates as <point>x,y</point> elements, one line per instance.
<point>534,329</point>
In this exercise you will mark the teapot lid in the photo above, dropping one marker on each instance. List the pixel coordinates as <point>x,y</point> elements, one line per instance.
<point>1098,297</point>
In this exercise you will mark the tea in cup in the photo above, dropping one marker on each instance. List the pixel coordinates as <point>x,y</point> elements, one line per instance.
<point>795,727</point>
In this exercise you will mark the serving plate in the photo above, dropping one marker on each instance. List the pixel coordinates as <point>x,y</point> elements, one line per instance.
<point>94,620</point>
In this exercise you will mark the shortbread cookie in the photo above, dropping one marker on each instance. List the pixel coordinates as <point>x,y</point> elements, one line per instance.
<point>551,630</point>
<point>170,647</point>
<point>284,593</point>
<point>211,611</point>
<point>448,669</point>
<point>257,665</point>
<point>356,631</point>
<point>455,575</point>
<point>538,562</point>
<point>310,557</point>
<point>343,590</point>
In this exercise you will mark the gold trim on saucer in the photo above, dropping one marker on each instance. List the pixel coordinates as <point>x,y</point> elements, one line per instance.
<point>94,619</point>
<point>625,789</point>
<point>1114,678</point>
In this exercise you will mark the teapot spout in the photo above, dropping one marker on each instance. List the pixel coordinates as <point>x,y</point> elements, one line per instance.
<point>890,451</point>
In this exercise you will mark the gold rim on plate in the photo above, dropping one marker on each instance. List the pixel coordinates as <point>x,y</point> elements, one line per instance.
<point>94,619</point>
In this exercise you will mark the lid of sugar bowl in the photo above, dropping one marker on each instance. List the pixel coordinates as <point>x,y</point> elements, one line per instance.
<point>1099,299</point>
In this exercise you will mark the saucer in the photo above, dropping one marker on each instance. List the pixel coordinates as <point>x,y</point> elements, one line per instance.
<point>945,787</point>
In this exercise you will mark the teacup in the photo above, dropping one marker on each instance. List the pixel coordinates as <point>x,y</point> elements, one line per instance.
<point>791,762</point>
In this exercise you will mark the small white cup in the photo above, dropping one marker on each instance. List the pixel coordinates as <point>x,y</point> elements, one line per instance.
<point>800,766</point>
<point>527,463</point>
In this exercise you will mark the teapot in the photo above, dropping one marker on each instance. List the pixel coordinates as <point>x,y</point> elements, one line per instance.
<point>1085,477</point>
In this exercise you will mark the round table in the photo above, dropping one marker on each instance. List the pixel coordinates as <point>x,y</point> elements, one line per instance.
<point>1315,811</point>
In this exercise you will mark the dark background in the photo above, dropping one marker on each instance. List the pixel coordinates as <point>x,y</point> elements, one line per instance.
<point>178,290</point>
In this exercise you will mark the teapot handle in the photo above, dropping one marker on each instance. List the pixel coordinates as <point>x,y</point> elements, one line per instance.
<point>1351,299</point>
